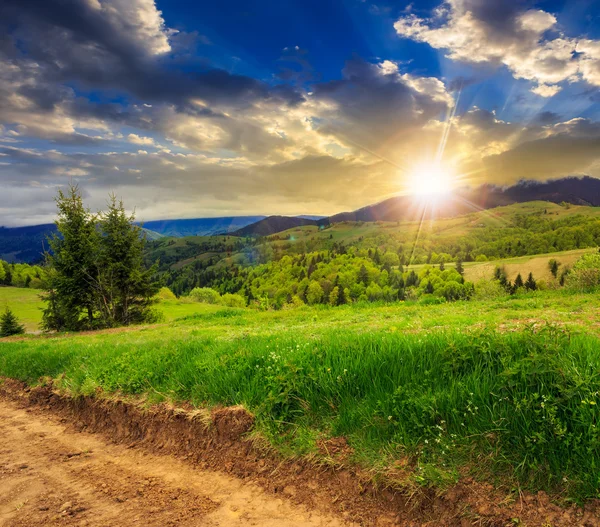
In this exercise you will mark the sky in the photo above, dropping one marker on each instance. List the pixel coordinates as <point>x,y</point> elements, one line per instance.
<point>201,109</point>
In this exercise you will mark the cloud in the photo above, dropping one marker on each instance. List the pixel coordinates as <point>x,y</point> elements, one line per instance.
<point>140,140</point>
<point>526,41</point>
<point>122,45</point>
<point>374,105</point>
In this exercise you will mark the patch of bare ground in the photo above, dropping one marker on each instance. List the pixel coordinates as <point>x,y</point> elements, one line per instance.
<point>100,461</point>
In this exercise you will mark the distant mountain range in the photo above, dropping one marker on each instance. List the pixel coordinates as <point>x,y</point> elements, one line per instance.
<point>200,226</point>
<point>26,244</point>
<point>578,191</point>
<point>274,224</point>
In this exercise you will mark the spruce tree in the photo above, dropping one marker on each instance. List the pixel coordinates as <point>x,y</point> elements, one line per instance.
<point>530,284</point>
<point>518,283</point>
<point>460,268</point>
<point>125,287</point>
<point>341,296</point>
<point>9,324</point>
<point>72,281</point>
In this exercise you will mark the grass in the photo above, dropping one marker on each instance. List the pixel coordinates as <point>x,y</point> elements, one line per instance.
<point>504,389</point>
<point>28,307</point>
<point>538,265</point>
<point>25,304</point>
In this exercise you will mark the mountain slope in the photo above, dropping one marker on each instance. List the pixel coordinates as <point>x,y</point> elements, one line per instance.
<point>272,225</point>
<point>578,191</point>
<point>27,244</point>
<point>200,226</point>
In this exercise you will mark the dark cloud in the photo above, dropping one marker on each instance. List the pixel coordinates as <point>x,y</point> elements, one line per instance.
<point>76,42</point>
<point>375,103</point>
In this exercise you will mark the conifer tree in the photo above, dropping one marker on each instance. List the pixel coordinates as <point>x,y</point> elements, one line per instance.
<point>341,296</point>
<point>530,284</point>
<point>9,324</point>
<point>518,283</point>
<point>125,287</point>
<point>71,286</point>
<point>459,267</point>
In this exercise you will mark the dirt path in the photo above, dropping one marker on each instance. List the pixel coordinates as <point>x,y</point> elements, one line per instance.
<point>53,475</point>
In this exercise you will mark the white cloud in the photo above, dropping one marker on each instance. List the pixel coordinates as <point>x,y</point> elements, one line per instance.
<point>140,140</point>
<point>138,18</point>
<point>476,32</point>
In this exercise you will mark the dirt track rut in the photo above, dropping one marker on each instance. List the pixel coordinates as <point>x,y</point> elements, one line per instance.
<point>52,475</point>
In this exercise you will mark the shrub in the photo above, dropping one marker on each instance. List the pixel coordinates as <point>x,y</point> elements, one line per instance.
<point>166,294</point>
<point>489,289</point>
<point>230,300</point>
<point>9,324</point>
<point>585,274</point>
<point>205,295</point>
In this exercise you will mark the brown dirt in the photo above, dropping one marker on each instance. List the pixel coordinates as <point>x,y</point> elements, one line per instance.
<point>97,462</point>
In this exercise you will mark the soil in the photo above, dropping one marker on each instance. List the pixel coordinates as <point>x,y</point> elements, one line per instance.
<point>94,461</point>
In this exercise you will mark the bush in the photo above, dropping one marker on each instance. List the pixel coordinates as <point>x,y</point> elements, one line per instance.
<point>230,300</point>
<point>205,295</point>
<point>489,289</point>
<point>166,294</point>
<point>585,274</point>
<point>9,324</point>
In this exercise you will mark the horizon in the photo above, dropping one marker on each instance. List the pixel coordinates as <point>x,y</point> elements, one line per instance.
<point>306,108</point>
<point>522,183</point>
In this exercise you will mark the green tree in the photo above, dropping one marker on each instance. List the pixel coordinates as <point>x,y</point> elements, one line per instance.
<point>71,287</point>
<point>530,283</point>
<point>314,294</point>
<point>518,282</point>
<point>126,289</point>
<point>363,275</point>
<point>460,268</point>
<point>553,266</point>
<point>9,324</point>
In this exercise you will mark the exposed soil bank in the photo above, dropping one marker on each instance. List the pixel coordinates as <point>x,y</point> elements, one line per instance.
<point>94,462</point>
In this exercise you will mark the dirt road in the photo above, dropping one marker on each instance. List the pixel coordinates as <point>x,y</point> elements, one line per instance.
<point>53,475</point>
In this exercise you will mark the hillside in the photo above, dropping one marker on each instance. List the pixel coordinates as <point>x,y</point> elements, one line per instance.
<point>577,191</point>
<point>273,225</point>
<point>200,226</point>
<point>503,233</point>
<point>27,244</point>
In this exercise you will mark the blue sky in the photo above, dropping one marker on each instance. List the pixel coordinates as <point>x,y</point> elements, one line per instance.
<point>190,109</point>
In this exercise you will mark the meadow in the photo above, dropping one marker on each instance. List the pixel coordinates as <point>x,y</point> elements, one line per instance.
<point>504,389</point>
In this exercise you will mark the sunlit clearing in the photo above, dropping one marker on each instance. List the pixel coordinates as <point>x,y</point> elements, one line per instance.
<point>430,180</point>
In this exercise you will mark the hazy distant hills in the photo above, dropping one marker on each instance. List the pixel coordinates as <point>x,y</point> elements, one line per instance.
<point>578,191</point>
<point>274,224</point>
<point>201,226</point>
<point>26,244</point>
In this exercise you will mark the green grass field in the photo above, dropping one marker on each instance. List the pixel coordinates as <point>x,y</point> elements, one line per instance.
<point>504,389</point>
<point>25,303</point>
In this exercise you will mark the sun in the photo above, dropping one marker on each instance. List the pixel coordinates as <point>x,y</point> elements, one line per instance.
<point>430,180</point>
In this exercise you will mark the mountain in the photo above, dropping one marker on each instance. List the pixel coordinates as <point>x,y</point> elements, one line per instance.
<point>200,226</point>
<point>272,225</point>
<point>27,244</point>
<point>578,191</point>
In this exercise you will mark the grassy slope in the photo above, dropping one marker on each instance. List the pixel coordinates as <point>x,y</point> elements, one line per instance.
<point>538,265</point>
<point>25,303</point>
<point>350,232</point>
<point>392,379</point>
<point>27,306</point>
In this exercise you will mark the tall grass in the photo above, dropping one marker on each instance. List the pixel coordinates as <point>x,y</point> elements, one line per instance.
<point>522,406</point>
